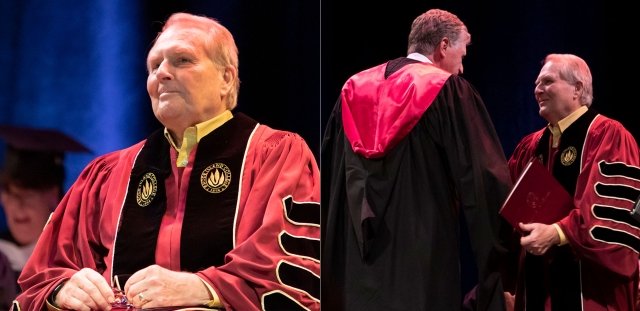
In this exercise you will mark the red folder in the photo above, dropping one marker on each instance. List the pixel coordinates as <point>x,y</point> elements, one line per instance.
<point>536,197</point>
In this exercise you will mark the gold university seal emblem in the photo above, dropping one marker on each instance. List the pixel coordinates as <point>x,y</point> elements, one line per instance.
<point>147,189</point>
<point>215,178</point>
<point>568,156</point>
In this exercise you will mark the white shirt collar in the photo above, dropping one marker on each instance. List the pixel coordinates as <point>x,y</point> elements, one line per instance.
<point>419,57</point>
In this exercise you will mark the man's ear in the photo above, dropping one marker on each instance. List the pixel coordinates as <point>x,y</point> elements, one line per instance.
<point>229,77</point>
<point>578,89</point>
<point>445,43</point>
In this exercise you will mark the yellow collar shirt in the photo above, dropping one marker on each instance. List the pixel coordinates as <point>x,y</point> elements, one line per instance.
<point>193,134</point>
<point>557,130</point>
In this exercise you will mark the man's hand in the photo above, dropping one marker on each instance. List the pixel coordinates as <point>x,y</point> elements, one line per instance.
<point>541,237</point>
<point>155,286</point>
<point>85,290</point>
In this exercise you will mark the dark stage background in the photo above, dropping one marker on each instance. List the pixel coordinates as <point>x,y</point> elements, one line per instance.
<point>509,41</point>
<point>79,67</point>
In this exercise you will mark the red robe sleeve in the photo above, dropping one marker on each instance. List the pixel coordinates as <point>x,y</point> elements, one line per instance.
<point>276,248</point>
<point>610,160</point>
<point>77,235</point>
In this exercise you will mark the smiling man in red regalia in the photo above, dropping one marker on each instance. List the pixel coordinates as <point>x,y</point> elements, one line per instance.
<point>215,210</point>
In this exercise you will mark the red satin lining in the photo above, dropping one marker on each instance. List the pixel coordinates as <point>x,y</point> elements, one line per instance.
<point>378,113</point>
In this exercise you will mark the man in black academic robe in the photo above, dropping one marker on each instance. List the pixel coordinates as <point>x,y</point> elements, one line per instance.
<point>411,168</point>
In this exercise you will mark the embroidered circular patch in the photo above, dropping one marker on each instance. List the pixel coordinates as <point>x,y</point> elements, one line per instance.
<point>568,156</point>
<point>215,178</point>
<point>147,189</point>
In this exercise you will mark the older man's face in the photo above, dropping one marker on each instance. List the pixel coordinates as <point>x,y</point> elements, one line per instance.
<point>185,86</point>
<point>556,97</point>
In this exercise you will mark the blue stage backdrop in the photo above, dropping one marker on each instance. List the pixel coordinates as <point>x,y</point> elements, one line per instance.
<point>75,66</point>
<point>79,67</point>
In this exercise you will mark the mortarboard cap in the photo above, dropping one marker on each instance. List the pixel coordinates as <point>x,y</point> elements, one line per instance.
<point>34,158</point>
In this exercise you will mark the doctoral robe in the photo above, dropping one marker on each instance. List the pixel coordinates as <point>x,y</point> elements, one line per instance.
<point>598,163</point>
<point>411,167</point>
<point>243,215</point>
